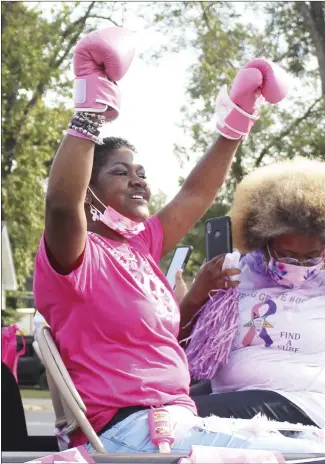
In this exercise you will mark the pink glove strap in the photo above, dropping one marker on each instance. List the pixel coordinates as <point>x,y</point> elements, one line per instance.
<point>96,93</point>
<point>232,120</point>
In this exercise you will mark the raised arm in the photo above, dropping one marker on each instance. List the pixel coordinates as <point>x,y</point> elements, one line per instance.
<point>100,59</point>
<point>260,79</point>
<point>198,192</point>
<point>65,220</point>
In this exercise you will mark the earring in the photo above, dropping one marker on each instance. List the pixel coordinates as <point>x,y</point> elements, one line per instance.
<point>88,199</point>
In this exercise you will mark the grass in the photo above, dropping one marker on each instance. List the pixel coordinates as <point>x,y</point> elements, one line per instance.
<point>34,393</point>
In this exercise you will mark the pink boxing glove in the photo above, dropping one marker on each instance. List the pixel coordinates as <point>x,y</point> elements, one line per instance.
<point>258,80</point>
<point>100,59</point>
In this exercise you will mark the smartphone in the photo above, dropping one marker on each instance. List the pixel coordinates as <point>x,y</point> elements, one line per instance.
<point>179,260</point>
<point>218,238</point>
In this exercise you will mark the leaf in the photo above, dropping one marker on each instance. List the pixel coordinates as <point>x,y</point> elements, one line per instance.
<point>223,40</point>
<point>36,54</point>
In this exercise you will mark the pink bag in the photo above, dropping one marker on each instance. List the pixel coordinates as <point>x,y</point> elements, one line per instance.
<point>71,455</point>
<point>9,354</point>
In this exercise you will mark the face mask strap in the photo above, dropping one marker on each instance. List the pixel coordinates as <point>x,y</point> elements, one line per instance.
<point>114,220</point>
<point>96,197</point>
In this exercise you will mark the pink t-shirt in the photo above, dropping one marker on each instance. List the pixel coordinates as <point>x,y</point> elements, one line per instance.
<point>115,322</point>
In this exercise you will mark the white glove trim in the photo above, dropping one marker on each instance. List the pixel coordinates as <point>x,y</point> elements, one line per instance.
<point>224,106</point>
<point>226,135</point>
<point>79,90</point>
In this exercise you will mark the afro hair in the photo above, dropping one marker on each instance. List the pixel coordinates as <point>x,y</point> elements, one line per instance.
<point>285,197</point>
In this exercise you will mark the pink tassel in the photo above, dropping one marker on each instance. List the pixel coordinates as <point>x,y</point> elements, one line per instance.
<point>213,335</point>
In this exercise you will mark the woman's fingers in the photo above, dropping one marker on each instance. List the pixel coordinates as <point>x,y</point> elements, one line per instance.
<point>230,272</point>
<point>214,265</point>
<point>226,274</point>
<point>213,278</point>
<point>223,278</point>
<point>180,286</point>
<point>230,283</point>
<point>216,259</point>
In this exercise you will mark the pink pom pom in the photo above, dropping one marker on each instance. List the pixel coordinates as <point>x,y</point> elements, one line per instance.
<point>213,335</point>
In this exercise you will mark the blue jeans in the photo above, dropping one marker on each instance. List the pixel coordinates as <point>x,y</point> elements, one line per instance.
<point>132,436</point>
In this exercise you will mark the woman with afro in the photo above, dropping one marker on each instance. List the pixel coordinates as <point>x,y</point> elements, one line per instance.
<point>277,361</point>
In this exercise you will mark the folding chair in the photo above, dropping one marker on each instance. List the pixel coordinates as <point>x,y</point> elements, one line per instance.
<point>70,410</point>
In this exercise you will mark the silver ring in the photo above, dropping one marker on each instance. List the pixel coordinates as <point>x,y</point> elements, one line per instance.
<point>226,283</point>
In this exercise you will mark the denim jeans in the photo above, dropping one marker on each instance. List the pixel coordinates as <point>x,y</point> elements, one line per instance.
<point>132,436</point>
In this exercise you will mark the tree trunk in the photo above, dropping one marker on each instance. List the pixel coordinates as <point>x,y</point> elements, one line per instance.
<point>313,14</point>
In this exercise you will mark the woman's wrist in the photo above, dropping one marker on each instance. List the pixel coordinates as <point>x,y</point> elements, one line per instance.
<point>86,126</point>
<point>192,302</point>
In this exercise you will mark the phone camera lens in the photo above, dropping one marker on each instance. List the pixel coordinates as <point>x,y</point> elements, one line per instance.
<point>209,228</point>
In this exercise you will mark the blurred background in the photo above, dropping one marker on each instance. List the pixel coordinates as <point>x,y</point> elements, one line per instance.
<point>186,52</point>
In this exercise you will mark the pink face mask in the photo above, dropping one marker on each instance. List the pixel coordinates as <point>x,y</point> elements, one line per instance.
<point>291,275</point>
<point>115,221</point>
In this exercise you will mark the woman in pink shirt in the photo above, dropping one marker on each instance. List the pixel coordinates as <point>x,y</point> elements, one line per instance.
<point>97,278</point>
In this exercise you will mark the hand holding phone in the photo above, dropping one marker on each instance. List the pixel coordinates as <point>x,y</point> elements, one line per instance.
<point>218,237</point>
<point>179,261</point>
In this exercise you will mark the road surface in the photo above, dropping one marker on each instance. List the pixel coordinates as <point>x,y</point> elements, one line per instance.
<point>40,422</point>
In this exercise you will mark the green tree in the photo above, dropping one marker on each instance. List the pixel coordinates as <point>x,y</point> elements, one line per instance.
<point>223,36</point>
<point>157,202</point>
<point>36,57</point>
<point>37,40</point>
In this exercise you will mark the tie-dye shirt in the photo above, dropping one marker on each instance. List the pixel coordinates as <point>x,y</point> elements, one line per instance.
<point>280,342</point>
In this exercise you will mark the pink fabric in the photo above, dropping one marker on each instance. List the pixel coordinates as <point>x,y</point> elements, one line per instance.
<point>102,95</point>
<point>275,83</point>
<point>259,79</point>
<point>72,455</point>
<point>101,58</point>
<point>111,49</point>
<point>114,220</point>
<point>9,354</point>
<point>116,322</point>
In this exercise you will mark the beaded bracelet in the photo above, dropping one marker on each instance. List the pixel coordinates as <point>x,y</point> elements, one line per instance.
<point>82,123</point>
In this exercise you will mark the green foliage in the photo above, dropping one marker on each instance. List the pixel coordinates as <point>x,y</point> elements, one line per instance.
<point>9,316</point>
<point>36,58</point>
<point>23,189</point>
<point>14,301</point>
<point>36,84</point>
<point>286,21</point>
<point>157,202</point>
<point>223,36</point>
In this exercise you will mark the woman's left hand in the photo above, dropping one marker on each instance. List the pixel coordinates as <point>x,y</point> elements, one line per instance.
<point>211,277</point>
<point>180,286</point>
